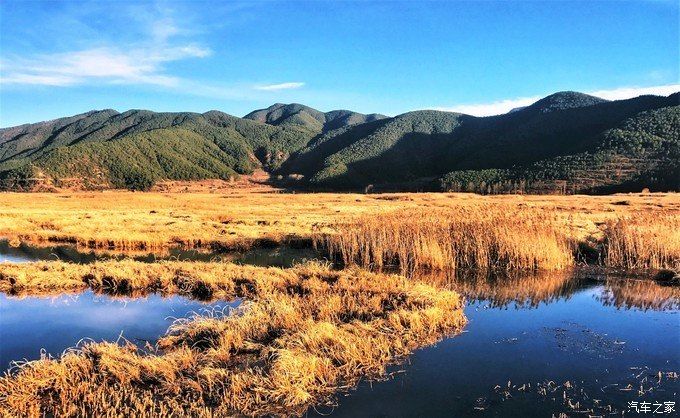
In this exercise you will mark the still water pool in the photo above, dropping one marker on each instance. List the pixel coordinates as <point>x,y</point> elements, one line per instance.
<point>56,323</point>
<point>534,346</point>
<point>525,340</point>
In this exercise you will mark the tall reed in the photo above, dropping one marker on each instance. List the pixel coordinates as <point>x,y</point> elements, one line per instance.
<point>646,241</point>
<point>471,237</point>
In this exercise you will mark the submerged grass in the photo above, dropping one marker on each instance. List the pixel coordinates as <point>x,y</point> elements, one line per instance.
<point>305,334</point>
<point>451,240</point>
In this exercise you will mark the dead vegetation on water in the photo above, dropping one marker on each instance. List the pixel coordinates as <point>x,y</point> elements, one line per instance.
<point>303,335</point>
<point>639,383</point>
<point>465,238</point>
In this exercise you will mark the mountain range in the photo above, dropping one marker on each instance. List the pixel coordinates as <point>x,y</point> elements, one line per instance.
<point>567,142</point>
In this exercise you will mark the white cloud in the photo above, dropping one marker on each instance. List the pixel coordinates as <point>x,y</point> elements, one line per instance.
<point>628,92</point>
<point>44,80</point>
<point>493,108</point>
<point>164,28</point>
<point>504,106</point>
<point>139,63</point>
<point>280,86</point>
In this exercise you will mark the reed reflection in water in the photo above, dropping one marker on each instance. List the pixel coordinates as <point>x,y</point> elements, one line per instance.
<point>524,290</point>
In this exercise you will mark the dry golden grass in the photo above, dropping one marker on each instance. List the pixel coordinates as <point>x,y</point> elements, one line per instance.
<point>240,218</point>
<point>452,239</point>
<point>195,279</point>
<point>306,333</point>
<point>643,242</point>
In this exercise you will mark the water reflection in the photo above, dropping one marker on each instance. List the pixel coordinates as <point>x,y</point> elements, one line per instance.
<point>536,345</point>
<point>56,323</point>
<point>639,294</point>
<point>522,290</point>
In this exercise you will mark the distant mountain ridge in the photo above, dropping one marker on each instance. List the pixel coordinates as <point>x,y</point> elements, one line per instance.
<point>295,114</point>
<point>564,143</point>
<point>561,101</point>
<point>565,100</point>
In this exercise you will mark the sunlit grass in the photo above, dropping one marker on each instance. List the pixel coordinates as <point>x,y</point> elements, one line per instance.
<point>449,240</point>
<point>303,335</point>
<point>643,242</point>
<point>240,219</point>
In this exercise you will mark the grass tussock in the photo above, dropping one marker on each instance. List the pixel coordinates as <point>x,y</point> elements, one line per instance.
<point>643,242</point>
<point>305,334</point>
<point>450,240</point>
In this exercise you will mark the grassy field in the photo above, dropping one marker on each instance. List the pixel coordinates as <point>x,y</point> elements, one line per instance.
<point>242,218</point>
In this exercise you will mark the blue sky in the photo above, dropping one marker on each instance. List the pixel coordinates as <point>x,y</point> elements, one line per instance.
<point>480,57</point>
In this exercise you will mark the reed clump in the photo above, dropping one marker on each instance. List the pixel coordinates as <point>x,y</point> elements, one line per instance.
<point>304,334</point>
<point>646,241</point>
<point>472,237</point>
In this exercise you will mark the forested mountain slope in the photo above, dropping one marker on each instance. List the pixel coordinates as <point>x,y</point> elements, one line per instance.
<point>138,147</point>
<point>303,116</point>
<point>565,143</point>
<point>558,139</point>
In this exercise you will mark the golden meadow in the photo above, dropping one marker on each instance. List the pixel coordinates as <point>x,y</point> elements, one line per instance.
<point>152,221</point>
<point>305,333</point>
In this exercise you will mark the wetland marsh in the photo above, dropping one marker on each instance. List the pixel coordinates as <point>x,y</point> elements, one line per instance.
<point>443,305</point>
